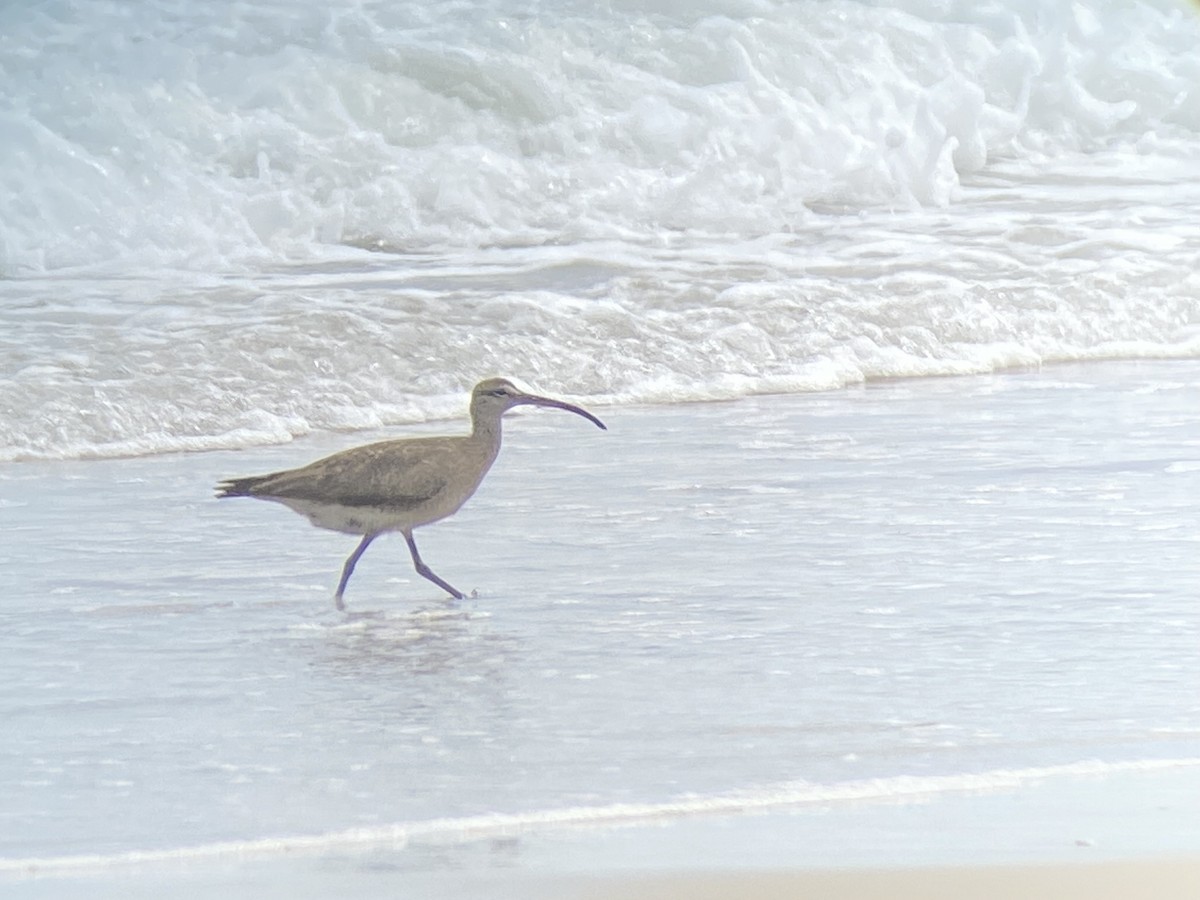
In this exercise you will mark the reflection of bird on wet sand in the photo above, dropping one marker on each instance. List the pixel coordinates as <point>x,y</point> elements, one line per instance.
<point>439,639</point>
<point>397,485</point>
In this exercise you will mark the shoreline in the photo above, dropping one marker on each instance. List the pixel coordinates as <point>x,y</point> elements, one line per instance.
<point>449,415</point>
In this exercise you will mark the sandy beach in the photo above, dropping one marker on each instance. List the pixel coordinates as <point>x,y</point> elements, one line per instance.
<point>1163,880</point>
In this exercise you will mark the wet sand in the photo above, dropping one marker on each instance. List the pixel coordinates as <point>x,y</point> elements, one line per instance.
<point>758,623</point>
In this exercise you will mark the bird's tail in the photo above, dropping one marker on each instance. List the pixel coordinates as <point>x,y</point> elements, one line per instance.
<point>240,487</point>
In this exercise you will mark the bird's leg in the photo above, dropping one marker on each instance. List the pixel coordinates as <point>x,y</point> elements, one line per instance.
<point>348,568</point>
<point>426,572</point>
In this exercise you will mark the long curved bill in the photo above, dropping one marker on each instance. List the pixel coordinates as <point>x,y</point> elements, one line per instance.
<point>535,400</point>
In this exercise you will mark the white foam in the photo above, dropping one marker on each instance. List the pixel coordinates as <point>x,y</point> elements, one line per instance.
<point>777,798</point>
<point>757,200</point>
<point>229,135</point>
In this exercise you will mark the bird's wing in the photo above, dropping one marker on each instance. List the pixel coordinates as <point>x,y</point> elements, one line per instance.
<point>388,475</point>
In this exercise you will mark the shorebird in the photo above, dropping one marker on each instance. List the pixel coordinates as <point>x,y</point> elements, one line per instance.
<point>397,485</point>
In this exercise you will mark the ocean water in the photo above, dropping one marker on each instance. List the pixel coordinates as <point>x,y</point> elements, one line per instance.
<point>231,224</point>
<point>259,231</point>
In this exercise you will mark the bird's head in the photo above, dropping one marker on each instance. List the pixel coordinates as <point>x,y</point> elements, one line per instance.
<point>494,396</point>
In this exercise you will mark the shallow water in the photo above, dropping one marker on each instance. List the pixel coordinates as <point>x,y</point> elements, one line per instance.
<point>780,600</point>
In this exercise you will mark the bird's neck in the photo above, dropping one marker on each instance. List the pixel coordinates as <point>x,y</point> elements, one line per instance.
<point>486,431</point>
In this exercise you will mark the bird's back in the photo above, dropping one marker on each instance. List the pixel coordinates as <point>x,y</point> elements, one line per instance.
<point>386,486</point>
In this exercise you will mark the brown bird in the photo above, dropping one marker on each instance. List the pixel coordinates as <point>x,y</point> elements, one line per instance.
<point>397,485</point>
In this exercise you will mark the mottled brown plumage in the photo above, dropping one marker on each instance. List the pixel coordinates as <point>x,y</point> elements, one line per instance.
<point>397,485</point>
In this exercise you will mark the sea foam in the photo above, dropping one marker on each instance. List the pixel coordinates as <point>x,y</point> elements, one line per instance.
<point>239,223</point>
<point>242,133</point>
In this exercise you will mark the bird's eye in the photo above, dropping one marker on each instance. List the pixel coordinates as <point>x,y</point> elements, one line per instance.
<point>500,392</point>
